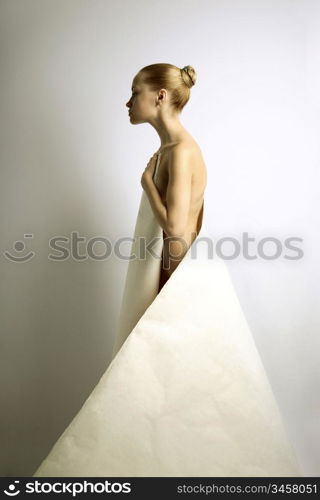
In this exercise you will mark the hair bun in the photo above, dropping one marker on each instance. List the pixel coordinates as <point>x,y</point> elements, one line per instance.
<point>189,75</point>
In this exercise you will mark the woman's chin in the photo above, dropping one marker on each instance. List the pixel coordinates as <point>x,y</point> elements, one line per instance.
<point>133,120</point>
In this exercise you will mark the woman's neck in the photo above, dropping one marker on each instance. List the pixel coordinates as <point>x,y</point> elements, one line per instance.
<point>170,130</point>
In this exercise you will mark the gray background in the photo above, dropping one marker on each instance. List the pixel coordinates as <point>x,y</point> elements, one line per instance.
<point>71,161</point>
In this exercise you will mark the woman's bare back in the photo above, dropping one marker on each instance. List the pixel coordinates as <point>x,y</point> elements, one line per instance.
<point>174,249</point>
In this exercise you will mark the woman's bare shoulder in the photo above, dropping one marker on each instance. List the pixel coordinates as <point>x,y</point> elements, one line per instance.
<point>193,150</point>
<point>187,145</point>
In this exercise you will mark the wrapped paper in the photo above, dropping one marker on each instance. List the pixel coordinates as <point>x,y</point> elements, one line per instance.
<point>186,393</point>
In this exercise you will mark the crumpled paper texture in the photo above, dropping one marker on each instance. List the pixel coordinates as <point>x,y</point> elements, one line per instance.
<point>186,393</point>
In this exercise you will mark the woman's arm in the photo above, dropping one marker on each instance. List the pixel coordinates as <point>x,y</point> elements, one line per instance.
<point>173,218</point>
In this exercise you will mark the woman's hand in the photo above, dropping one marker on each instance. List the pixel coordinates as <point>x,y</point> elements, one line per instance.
<point>149,171</point>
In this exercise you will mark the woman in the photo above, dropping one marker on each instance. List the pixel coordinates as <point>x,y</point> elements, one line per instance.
<point>186,393</point>
<point>159,93</point>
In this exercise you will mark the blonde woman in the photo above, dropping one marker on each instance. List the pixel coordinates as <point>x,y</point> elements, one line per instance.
<point>186,393</point>
<point>159,94</point>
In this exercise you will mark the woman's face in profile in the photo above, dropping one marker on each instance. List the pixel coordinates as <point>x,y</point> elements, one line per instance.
<point>141,103</point>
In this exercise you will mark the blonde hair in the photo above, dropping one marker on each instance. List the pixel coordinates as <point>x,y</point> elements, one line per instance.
<point>176,80</point>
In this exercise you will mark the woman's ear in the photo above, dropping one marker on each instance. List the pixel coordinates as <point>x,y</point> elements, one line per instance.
<point>162,95</point>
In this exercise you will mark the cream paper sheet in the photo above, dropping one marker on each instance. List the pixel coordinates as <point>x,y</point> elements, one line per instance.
<point>186,393</point>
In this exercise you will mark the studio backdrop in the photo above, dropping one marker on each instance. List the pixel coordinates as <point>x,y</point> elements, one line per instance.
<point>71,164</point>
